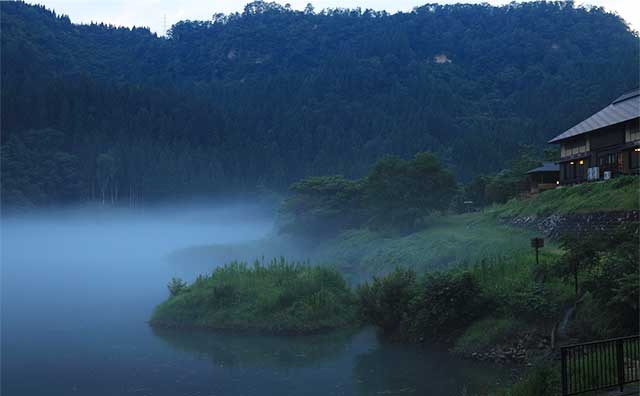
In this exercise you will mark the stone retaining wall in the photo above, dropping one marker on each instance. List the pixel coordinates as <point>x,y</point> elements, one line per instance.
<point>576,223</point>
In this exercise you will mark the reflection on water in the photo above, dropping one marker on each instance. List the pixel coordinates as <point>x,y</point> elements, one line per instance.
<point>342,363</point>
<point>251,350</point>
<point>78,287</point>
<point>419,370</point>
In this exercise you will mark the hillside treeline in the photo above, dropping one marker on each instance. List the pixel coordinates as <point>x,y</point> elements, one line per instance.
<point>258,99</point>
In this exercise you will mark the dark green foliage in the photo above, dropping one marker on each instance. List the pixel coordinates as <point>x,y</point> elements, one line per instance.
<point>280,297</point>
<point>446,303</point>
<point>435,307</point>
<point>535,302</point>
<point>397,194</point>
<point>609,273</point>
<point>35,167</point>
<point>176,287</point>
<point>504,186</point>
<point>401,193</point>
<point>513,287</point>
<point>510,183</point>
<point>321,205</point>
<point>507,184</point>
<point>273,95</point>
<point>385,301</point>
<point>476,192</point>
<point>581,255</point>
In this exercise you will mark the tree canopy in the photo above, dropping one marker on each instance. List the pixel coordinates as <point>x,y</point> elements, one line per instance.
<point>272,95</point>
<point>396,194</point>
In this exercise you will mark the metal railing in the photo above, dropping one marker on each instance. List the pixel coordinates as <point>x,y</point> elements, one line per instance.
<point>600,365</point>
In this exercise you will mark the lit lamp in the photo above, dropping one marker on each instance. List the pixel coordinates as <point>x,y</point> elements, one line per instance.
<point>637,149</point>
<point>581,162</point>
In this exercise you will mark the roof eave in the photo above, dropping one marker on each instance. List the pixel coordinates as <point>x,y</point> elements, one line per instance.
<point>558,139</point>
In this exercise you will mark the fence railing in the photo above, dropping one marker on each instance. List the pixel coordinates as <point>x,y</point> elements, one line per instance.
<point>600,365</point>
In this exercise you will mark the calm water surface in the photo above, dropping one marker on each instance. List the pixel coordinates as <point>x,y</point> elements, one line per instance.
<point>78,287</point>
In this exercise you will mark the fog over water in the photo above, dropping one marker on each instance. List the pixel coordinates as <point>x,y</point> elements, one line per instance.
<point>78,286</point>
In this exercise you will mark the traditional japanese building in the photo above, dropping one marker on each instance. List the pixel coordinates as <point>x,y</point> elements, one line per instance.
<point>544,177</point>
<point>603,146</point>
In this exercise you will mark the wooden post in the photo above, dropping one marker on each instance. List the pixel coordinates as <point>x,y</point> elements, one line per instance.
<point>537,243</point>
<point>563,353</point>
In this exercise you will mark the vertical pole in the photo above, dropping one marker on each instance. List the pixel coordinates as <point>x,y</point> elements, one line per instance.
<point>620,363</point>
<point>575,276</point>
<point>537,260</point>
<point>563,353</point>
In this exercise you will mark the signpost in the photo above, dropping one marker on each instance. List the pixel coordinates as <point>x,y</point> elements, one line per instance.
<point>537,243</point>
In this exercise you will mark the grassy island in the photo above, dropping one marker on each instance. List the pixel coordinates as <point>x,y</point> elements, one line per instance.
<point>278,297</point>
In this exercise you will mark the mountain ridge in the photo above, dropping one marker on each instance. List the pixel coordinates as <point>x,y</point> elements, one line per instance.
<point>259,99</point>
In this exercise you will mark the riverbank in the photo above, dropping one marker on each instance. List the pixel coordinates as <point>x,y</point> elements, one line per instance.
<point>471,281</point>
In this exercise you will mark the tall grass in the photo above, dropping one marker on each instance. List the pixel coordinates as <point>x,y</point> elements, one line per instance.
<point>277,297</point>
<point>505,277</point>
<point>446,243</point>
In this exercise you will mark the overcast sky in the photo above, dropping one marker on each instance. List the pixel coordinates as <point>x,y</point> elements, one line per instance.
<point>152,13</point>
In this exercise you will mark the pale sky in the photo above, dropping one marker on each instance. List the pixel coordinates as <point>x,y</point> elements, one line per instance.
<point>151,13</point>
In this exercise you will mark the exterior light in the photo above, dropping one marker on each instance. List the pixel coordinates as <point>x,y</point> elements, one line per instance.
<point>637,149</point>
<point>571,163</point>
<point>557,181</point>
<point>581,162</point>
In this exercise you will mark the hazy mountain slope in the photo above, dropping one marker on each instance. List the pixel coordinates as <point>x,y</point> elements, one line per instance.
<point>270,95</point>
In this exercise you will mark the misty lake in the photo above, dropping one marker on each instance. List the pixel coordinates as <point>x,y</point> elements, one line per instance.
<point>78,287</point>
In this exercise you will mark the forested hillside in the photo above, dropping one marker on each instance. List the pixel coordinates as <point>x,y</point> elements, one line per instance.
<point>259,99</point>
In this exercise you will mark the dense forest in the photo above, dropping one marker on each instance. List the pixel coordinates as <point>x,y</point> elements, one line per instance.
<point>255,100</point>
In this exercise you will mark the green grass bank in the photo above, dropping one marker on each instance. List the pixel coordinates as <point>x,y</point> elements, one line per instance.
<point>277,297</point>
<point>618,194</point>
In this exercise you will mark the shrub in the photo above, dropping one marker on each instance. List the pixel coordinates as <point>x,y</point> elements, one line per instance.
<point>613,282</point>
<point>516,287</point>
<point>445,303</point>
<point>537,303</point>
<point>385,301</point>
<point>435,307</point>
<point>176,287</point>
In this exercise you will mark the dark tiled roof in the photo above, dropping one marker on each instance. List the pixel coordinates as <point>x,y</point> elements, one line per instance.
<point>546,167</point>
<point>624,108</point>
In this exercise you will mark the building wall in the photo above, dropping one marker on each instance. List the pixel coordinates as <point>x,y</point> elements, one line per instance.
<point>632,133</point>
<point>575,146</point>
<point>574,171</point>
<point>610,149</point>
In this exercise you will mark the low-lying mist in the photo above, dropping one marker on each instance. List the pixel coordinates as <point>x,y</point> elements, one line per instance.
<point>96,263</point>
<point>112,233</point>
<point>79,284</point>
